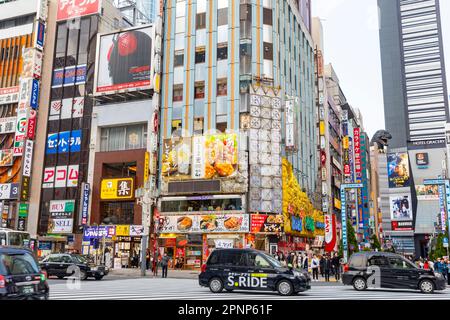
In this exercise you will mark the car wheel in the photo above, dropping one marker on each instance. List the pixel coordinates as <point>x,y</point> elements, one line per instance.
<point>215,285</point>
<point>426,286</point>
<point>285,288</point>
<point>360,284</point>
<point>83,275</point>
<point>98,277</point>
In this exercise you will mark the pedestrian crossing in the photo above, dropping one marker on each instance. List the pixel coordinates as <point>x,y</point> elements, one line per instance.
<point>188,289</point>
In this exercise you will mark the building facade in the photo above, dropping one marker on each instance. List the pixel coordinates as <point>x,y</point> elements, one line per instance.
<point>229,70</point>
<point>416,111</point>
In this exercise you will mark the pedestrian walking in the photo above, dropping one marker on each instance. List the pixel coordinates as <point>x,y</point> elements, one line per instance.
<point>155,266</point>
<point>327,267</point>
<point>315,268</point>
<point>305,263</point>
<point>165,264</point>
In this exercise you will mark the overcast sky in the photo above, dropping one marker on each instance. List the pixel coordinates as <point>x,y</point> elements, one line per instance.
<point>351,44</point>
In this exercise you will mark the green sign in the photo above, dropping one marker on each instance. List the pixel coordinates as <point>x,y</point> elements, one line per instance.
<point>23,210</point>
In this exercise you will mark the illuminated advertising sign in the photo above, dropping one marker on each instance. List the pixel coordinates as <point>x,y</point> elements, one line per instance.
<point>398,170</point>
<point>69,9</point>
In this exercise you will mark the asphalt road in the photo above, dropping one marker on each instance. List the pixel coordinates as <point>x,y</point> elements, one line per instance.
<point>188,289</point>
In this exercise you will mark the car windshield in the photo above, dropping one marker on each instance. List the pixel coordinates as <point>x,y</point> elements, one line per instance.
<point>272,261</point>
<point>79,258</point>
<point>17,264</point>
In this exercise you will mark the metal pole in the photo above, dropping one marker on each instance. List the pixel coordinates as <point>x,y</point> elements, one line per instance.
<point>144,239</point>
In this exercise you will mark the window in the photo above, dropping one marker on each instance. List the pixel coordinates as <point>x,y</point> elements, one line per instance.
<point>221,126</point>
<point>232,258</point>
<point>200,55</point>
<point>176,125</point>
<point>378,261</point>
<point>399,263</point>
<point>179,59</point>
<point>66,259</point>
<point>177,93</point>
<point>267,19</point>
<point>222,52</point>
<point>201,21</point>
<point>268,51</point>
<point>257,261</point>
<point>15,264</point>
<point>357,261</point>
<point>123,138</point>
<point>200,90</point>
<point>221,87</point>
<point>198,126</point>
<point>222,17</point>
<point>214,258</point>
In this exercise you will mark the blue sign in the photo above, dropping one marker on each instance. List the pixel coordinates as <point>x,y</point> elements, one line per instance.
<point>40,35</point>
<point>52,143</point>
<point>297,224</point>
<point>34,102</point>
<point>64,142</point>
<point>85,203</point>
<point>445,240</point>
<point>45,245</point>
<point>98,232</point>
<point>428,182</point>
<point>75,141</point>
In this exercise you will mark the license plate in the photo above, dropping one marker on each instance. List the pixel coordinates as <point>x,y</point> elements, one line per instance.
<point>28,289</point>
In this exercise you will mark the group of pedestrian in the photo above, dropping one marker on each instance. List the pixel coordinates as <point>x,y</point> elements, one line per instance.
<point>440,265</point>
<point>325,264</point>
<point>156,262</point>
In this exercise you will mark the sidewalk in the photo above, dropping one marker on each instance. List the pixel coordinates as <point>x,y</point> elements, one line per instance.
<point>175,274</point>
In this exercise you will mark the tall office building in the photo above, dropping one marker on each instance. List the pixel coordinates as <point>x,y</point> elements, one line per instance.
<point>416,111</point>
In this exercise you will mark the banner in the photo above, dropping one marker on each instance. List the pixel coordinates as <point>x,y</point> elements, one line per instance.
<point>429,192</point>
<point>61,176</point>
<point>398,170</point>
<point>9,95</point>
<point>69,76</point>
<point>263,223</point>
<point>401,208</point>
<point>64,142</point>
<point>124,60</point>
<point>61,216</point>
<point>220,223</point>
<point>69,9</point>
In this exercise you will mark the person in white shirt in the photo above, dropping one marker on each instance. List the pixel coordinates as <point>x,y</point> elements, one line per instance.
<point>315,267</point>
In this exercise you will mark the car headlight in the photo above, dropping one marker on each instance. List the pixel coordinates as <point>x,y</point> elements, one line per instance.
<point>299,275</point>
<point>94,268</point>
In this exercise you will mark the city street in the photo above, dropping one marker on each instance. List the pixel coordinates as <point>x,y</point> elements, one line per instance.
<point>179,289</point>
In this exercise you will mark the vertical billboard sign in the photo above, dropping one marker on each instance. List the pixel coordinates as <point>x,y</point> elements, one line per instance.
<point>70,9</point>
<point>357,153</point>
<point>290,138</point>
<point>124,61</point>
<point>398,170</point>
<point>84,208</point>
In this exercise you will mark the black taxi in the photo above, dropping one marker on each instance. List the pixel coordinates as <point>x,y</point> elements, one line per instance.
<point>250,269</point>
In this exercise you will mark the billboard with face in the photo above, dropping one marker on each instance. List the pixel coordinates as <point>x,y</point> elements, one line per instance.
<point>401,207</point>
<point>124,60</point>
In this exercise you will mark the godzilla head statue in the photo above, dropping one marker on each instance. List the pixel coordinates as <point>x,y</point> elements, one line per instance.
<point>381,139</point>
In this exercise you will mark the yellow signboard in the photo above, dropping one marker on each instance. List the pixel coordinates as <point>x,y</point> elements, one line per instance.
<point>146,166</point>
<point>117,189</point>
<point>322,128</point>
<point>345,142</point>
<point>122,230</point>
<point>337,203</point>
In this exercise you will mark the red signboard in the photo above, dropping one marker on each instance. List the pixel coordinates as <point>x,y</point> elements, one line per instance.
<point>401,225</point>
<point>323,158</point>
<point>31,129</point>
<point>69,9</point>
<point>357,151</point>
<point>330,232</point>
<point>257,222</point>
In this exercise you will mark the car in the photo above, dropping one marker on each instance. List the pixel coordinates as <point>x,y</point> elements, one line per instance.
<point>20,275</point>
<point>389,270</point>
<point>250,269</point>
<point>63,265</point>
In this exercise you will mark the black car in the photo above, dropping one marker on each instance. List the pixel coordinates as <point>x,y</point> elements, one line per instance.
<point>389,270</point>
<point>20,276</point>
<point>249,269</point>
<point>63,265</point>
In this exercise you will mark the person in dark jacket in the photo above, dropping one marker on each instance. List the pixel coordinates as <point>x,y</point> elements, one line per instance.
<point>165,264</point>
<point>336,265</point>
<point>327,267</point>
<point>321,264</point>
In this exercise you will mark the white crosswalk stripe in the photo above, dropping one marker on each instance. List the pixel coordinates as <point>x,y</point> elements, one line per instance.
<point>176,289</point>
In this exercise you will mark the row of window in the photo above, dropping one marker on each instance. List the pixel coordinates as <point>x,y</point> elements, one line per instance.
<point>199,90</point>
